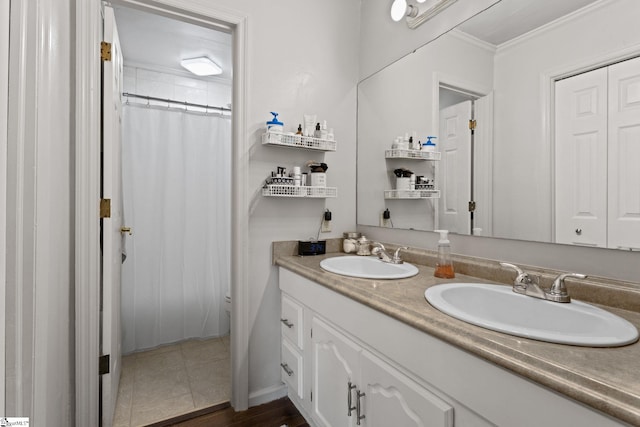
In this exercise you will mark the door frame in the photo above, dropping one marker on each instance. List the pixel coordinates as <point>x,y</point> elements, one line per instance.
<point>4,101</point>
<point>451,82</point>
<point>87,255</point>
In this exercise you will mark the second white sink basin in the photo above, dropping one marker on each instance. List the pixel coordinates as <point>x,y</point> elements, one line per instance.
<point>500,309</point>
<point>367,267</point>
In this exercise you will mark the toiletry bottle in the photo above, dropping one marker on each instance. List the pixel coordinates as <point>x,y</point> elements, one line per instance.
<point>318,132</point>
<point>323,130</point>
<point>444,266</point>
<point>297,176</point>
<point>299,132</point>
<point>429,145</point>
<point>275,125</point>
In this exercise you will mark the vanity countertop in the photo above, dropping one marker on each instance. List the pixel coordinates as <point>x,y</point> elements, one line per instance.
<point>606,379</point>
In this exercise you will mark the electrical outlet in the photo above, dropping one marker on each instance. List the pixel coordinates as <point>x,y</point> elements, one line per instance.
<point>326,226</point>
<point>385,219</point>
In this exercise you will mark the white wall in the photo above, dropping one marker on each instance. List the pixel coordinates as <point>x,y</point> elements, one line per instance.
<point>383,41</point>
<point>520,144</point>
<point>143,81</point>
<point>303,58</point>
<point>397,100</point>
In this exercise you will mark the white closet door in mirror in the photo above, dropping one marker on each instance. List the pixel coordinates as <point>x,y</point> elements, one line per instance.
<point>581,159</point>
<point>624,155</point>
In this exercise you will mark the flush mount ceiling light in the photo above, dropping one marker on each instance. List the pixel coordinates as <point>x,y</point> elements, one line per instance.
<point>402,8</point>
<point>201,66</point>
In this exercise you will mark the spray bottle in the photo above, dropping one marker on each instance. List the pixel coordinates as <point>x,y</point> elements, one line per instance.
<point>444,266</point>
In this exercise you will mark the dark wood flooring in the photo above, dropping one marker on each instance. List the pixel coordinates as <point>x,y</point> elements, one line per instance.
<point>273,414</point>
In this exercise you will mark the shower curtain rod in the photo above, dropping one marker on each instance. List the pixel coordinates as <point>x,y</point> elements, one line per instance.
<point>171,101</point>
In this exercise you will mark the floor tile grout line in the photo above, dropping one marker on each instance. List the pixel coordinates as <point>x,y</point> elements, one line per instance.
<point>186,368</point>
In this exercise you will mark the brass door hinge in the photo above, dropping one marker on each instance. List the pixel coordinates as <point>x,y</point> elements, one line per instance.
<point>103,364</point>
<point>472,206</point>
<point>472,124</point>
<point>105,208</point>
<point>105,51</point>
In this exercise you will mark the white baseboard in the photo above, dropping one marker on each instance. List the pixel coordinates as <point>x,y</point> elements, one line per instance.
<point>266,395</point>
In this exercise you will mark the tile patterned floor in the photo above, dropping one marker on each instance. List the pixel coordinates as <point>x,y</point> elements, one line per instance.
<point>173,380</point>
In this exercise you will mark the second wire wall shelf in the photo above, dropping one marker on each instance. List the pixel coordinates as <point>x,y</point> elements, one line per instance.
<point>274,190</point>
<point>411,194</point>
<point>396,153</point>
<point>298,141</point>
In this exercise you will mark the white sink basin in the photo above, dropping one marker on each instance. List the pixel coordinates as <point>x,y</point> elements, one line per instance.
<point>367,267</point>
<point>500,309</point>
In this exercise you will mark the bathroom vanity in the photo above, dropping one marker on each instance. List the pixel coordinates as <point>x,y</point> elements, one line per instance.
<point>376,353</point>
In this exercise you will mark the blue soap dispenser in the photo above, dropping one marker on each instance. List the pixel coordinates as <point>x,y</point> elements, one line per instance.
<point>274,125</point>
<point>429,145</point>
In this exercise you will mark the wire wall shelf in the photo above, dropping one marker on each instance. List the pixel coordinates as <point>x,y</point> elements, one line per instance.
<point>298,141</point>
<point>411,154</point>
<point>411,194</point>
<point>303,191</point>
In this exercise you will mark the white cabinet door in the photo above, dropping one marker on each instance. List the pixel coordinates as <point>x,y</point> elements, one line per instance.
<point>624,155</point>
<point>291,321</point>
<point>292,369</point>
<point>335,366</point>
<point>393,399</point>
<point>580,159</point>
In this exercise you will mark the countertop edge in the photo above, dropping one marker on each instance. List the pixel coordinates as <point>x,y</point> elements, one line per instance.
<point>556,376</point>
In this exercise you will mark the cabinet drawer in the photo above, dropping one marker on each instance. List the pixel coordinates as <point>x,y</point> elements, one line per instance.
<point>291,321</point>
<point>291,366</point>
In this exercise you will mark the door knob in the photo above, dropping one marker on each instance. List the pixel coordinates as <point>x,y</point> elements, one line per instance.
<point>126,230</point>
<point>578,231</point>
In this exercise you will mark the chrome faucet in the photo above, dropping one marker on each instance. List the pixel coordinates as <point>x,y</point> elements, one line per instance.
<point>379,250</point>
<point>523,284</point>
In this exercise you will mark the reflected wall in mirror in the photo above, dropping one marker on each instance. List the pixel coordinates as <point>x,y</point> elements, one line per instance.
<point>536,165</point>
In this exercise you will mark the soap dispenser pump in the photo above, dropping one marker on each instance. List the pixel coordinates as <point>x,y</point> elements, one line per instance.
<point>429,145</point>
<point>444,266</point>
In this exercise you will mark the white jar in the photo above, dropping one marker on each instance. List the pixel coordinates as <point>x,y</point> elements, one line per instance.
<point>350,242</point>
<point>318,179</point>
<point>403,183</point>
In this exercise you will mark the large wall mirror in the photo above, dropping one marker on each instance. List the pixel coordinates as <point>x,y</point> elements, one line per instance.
<point>535,106</point>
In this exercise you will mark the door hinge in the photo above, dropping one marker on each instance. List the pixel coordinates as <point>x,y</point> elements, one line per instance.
<point>311,399</point>
<point>105,208</point>
<point>103,364</point>
<point>472,206</point>
<point>105,51</point>
<point>311,332</point>
<point>472,124</point>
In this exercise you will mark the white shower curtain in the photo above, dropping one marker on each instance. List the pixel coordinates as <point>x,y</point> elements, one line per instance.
<point>176,190</point>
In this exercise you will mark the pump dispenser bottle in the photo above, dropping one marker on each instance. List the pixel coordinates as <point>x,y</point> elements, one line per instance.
<point>444,266</point>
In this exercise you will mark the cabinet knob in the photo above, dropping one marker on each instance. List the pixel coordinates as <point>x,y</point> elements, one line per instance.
<point>578,231</point>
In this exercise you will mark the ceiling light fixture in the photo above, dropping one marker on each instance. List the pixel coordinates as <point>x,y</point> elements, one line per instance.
<point>201,66</point>
<point>403,9</point>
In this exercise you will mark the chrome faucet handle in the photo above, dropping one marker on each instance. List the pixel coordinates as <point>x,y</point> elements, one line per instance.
<point>558,291</point>
<point>378,245</point>
<point>379,250</point>
<point>522,278</point>
<point>396,255</point>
